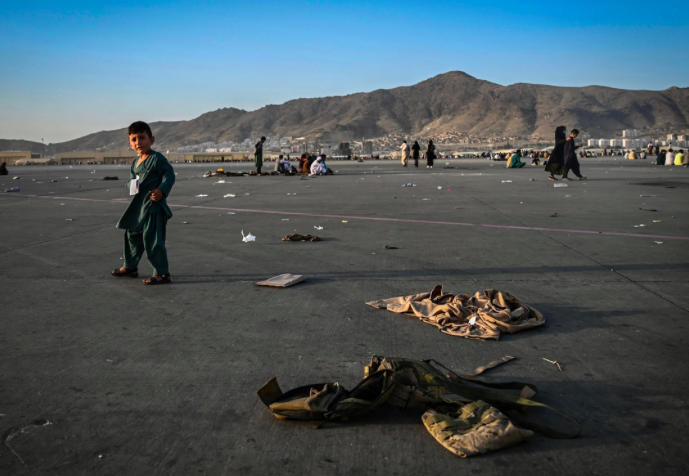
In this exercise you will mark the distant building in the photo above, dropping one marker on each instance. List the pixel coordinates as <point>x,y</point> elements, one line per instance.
<point>633,143</point>
<point>122,156</point>
<point>631,133</point>
<point>344,149</point>
<point>615,142</point>
<point>682,137</point>
<point>13,157</point>
<point>671,137</point>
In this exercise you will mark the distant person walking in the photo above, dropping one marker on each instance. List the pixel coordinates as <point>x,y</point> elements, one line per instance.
<point>3,169</point>
<point>650,148</point>
<point>570,153</point>
<point>258,154</point>
<point>430,154</point>
<point>415,153</point>
<point>555,164</point>
<point>405,153</point>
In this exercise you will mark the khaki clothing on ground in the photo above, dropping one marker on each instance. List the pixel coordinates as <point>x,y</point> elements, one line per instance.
<point>474,429</point>
<point>496,312</point>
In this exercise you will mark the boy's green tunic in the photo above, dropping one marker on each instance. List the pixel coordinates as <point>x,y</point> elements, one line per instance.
<point>145,219</point>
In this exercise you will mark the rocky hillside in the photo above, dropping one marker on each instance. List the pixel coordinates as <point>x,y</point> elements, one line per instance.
<point>453,101</point>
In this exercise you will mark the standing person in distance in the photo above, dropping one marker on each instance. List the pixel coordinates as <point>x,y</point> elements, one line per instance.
<point>571,161</point>
<point>146,216</point>
<point>415,153</point>
<point>555,163</point>
<point>258,155</point>
<point>430,154</point>
<point>405,153</point>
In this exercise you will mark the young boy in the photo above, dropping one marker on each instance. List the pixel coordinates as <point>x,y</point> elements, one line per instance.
<point>151,179</point>
<point>571,161</point>
<point>258,155</point>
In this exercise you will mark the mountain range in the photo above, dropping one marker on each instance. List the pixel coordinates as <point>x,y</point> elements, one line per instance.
<point>450,102</point>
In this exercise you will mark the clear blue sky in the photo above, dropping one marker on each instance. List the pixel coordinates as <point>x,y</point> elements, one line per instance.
<point>70,68</point>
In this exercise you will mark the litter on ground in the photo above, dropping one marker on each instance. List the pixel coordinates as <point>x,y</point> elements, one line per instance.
<point>459,412</point>
<point>248,237</point>
<point>297,237</point>
<point>282,281</point>
<point>554,362</point>
<point>558,185</point>
<point>497,312</point>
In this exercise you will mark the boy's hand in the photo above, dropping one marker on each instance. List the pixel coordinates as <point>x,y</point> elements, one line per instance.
<point>156,194</point>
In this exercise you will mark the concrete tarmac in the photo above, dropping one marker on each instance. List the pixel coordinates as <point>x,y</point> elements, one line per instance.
<point>141,380</point>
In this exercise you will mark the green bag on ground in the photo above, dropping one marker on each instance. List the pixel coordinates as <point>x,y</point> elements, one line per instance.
<point>421,384</point>
<point>328,401</point>
<point>465,415</point>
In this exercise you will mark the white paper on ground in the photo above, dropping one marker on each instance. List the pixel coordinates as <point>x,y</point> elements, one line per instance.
<point>318,228</point>
<point>248,237</point>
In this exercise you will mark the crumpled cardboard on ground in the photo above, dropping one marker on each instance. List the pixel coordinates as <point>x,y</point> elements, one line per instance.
<point>283,281</point>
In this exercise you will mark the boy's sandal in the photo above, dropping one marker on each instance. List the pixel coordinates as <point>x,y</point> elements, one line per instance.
<point>129,273</point>
<point>152,280</point>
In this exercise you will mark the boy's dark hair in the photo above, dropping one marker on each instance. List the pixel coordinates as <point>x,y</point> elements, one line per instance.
<point>263,137</point>
<point>280,156</point>
<point>575,131</point>
<point>139,127</point>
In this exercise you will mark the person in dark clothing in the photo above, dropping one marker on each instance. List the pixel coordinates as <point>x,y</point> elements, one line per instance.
<point>258,155</point>
<point>430,155</point>
<point>555,163</point>
<point>3,169</point>
<point>570,153</point>
<point>660,160</point>
<point>415,153</point>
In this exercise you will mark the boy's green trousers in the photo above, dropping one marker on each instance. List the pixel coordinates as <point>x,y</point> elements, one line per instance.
<point>149,237</point>
<point>258,160</point>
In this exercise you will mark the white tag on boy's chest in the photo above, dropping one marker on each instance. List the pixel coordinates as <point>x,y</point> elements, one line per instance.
<point>134,186</point>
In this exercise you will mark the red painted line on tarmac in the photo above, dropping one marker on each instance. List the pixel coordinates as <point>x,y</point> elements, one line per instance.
<point>350,217</point>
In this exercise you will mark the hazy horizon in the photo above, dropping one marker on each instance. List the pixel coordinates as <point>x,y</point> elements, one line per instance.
<point>75,68</point>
